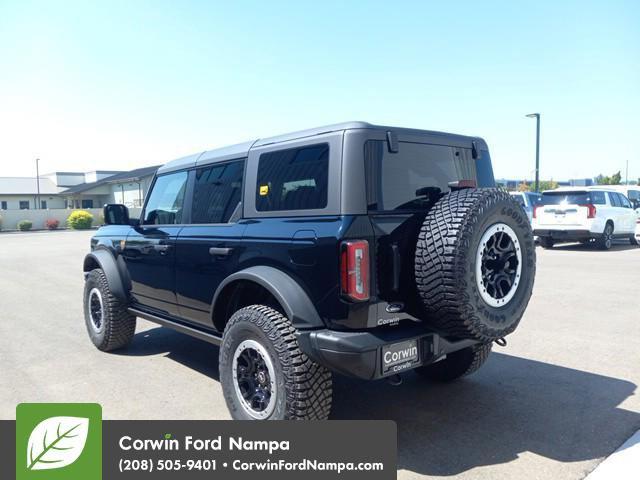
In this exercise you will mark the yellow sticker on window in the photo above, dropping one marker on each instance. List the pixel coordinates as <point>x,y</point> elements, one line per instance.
<point>264,190</point>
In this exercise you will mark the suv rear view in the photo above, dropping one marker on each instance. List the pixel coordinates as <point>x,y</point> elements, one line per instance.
<point>592,215</point>
<point>354,249</point>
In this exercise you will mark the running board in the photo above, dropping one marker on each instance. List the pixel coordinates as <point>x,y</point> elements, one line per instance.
<point>179,327</point>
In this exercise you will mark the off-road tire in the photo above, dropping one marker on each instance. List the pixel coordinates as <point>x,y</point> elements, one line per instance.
<point>546,243</point>
<point>118,326</point>
<point>605,242</point>
<point>304,388</point>
<point>445,264</point>
<point>457,364</point>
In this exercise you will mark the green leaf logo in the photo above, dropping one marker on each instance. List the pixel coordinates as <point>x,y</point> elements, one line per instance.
<point>56,442</point>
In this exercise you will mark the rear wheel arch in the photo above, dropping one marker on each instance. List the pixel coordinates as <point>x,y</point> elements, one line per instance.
<point>281,292</point>
<point>238,294</point>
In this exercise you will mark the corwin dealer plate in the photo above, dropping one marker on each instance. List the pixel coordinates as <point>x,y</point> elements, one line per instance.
<point>399,356</point>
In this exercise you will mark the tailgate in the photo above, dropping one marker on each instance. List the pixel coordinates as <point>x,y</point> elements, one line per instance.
<point>562,215</point>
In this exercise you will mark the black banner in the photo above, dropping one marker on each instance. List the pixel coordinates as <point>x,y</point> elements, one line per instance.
<point>193,449</point>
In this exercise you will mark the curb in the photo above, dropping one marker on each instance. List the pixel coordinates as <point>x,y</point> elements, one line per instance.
<point>623,464</point>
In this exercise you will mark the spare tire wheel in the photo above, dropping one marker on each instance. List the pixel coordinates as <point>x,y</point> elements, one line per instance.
<point>475,264</point>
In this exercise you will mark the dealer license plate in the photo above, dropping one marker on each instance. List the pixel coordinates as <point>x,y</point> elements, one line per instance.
<point>399,356</point>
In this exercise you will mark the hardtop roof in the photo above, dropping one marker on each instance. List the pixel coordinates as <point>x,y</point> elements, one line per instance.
<point>242,149</point>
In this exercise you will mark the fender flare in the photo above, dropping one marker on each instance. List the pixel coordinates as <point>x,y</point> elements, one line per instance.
<point>294,300</point>
<point>116,280</point>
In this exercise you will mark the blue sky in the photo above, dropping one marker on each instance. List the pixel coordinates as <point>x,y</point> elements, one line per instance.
<point>120,84</point>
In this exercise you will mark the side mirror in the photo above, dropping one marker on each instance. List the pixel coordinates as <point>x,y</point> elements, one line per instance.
<point>116,214</point>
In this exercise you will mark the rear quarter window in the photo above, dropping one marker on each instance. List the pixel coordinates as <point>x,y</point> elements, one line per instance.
<point>293,179</point>
<point>614,199</point>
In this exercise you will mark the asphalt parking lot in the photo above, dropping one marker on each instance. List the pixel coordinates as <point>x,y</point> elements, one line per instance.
<point>552,404</point>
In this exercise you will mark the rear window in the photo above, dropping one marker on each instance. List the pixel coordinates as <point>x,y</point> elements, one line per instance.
<point>395,179</point>
<point>572,198</point>
<point>293,179</point>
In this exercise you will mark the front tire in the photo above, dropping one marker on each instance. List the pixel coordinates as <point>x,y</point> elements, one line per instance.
<point>457,364</point>
<point>265,375</point>
<point>109,324</point>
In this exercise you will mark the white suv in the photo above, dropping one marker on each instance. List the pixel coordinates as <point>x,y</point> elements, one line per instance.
<point>591,214</point>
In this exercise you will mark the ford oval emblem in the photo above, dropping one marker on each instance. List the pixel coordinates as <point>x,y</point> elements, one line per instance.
<point>395,307</point>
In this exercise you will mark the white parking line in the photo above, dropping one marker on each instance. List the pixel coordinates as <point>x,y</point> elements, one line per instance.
<point>623,464</point>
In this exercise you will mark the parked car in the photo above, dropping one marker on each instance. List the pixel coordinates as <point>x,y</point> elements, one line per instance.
<point>528,200</point>
<point>632,192</point>
<point>342,249</point>
<point>589,215</point>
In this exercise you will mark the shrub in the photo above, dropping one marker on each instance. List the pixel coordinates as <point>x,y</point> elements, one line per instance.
<point>52,223</point>
<point>80,220</point>
<point>24,225</point>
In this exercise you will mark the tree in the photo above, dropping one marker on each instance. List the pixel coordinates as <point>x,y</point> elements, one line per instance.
<point>612,180</point>
<point>548,185</point>
<point>616,178</point>
<point>524,187</point>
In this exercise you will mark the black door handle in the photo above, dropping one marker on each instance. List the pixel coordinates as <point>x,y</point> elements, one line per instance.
<point>220,250</point>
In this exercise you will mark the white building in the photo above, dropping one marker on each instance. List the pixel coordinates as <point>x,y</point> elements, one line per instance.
<point>76,189</point>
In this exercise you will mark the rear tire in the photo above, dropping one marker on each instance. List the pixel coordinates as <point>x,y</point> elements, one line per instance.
<point>606,240</point>
<point>291,386</point>
<point>109,324</point>
<point>457,364</point>
<point>546,242</point>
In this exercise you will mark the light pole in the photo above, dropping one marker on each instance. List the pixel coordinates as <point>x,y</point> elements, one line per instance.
<point>38,183</point>
<point>626,176</point>
<point>537,117</point>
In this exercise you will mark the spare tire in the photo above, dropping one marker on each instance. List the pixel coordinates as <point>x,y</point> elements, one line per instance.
<point>475,264</point>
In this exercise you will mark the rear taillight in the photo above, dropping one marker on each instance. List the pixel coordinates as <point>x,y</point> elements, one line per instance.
<point>354,269</point>
<point>535,212</point>
<point>591,210</point>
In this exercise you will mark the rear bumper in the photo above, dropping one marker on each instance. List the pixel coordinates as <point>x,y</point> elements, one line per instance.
<point>566,235</point>
<point>360,354</point>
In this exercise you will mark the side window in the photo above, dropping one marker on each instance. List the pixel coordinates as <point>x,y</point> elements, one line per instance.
<point>624,201</point>
<point>24,205</point>
<point>633,195</point>
<point>597,198</point>
<point>164,206</point>
<point>293,179</point>
<point>613,199</point>
<point>217,192</point>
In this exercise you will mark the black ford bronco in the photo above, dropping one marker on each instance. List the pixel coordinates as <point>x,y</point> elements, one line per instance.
<point>357,249</point>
